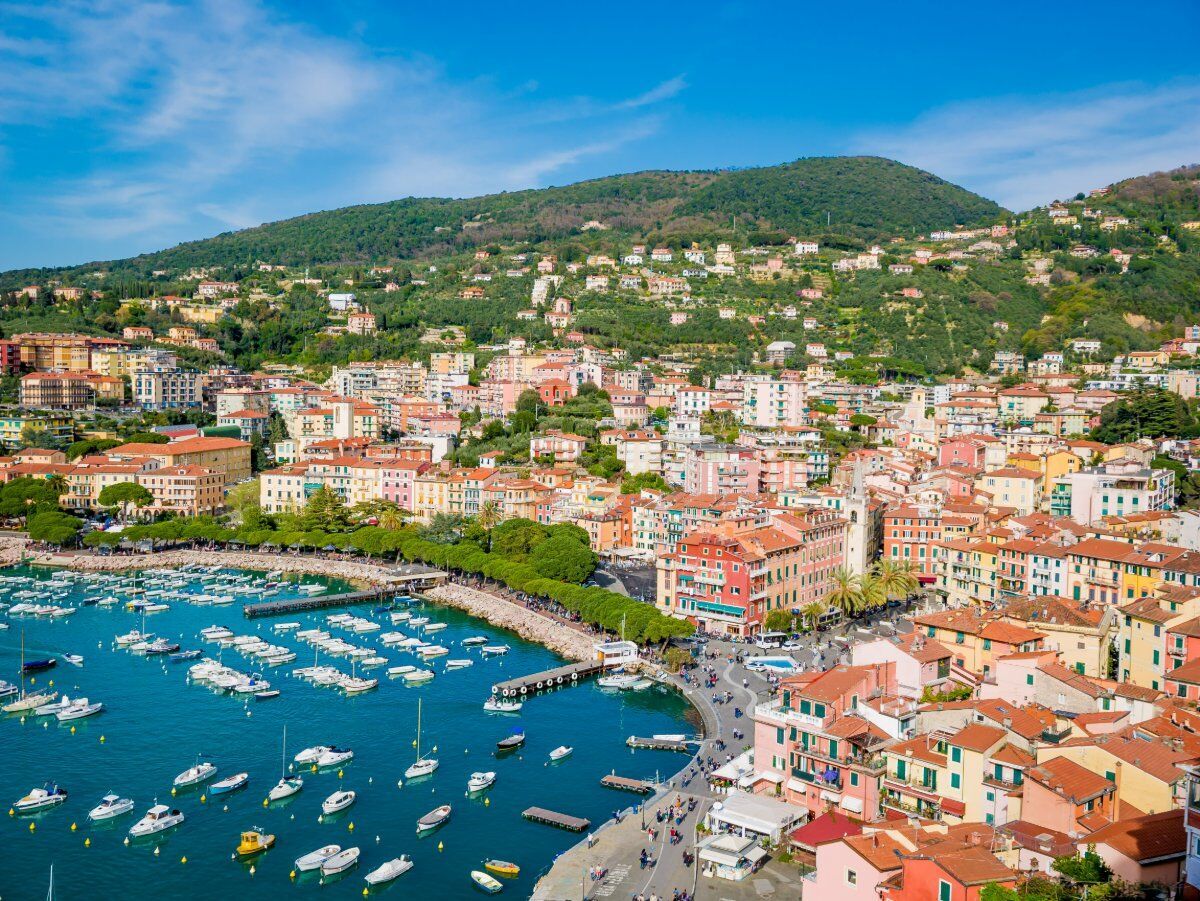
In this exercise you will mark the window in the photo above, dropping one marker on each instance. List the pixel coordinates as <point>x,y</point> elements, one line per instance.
<point>853,779</point>
<point>943,890</point>
<point>901,769</point>
<point>955,780</point>
<point>956,755</point>
<point>851,877</point>
<point>1029,678</point>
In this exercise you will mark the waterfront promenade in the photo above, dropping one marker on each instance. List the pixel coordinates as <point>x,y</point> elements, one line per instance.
<point>616,846</point>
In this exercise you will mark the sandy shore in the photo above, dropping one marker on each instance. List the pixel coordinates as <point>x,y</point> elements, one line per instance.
<point>529,624</point>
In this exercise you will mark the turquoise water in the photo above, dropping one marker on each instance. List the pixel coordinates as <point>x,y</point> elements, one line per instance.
<point>155,724</point>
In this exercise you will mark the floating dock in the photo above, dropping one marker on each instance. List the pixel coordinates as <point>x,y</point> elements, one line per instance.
<point>658,744</point>
<point>552,818</point>
<point>620,783</point>
<point>551,678</point>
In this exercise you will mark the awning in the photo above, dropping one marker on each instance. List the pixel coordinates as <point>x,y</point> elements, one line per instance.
<point>854,805</point>
<point>795,785</point>
<point>767,776</point>
<point>957,808</point>
<point>829,796</point>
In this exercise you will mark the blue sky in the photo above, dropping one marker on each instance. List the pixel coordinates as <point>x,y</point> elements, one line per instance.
<point>128,126</point>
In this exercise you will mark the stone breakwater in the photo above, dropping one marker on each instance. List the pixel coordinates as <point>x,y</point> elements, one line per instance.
<point>529,624</point>
<point>350,570</point>
<point>13,550</point>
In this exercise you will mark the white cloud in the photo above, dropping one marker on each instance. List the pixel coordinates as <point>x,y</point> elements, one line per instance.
<point>227,112</point>
<point>1023,152</point>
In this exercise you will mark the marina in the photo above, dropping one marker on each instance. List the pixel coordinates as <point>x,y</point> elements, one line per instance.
<point>160,722</point>
<point>621,783</point>
<point>568,675</point>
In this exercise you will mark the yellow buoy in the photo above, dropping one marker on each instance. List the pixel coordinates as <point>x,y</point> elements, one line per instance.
<point>414,742</point>
<point>252,870</point>
<point>292,874</point>
<point>265,802</point>
<point>440,846</point>
<point>156,852</point>
<point>73,827</point>
<point>351,827</point>
<point>101,739</point>
<point>33,827</point>
<point>72,730</point>
<point>183,859</point>
<point>339,774</point>
<point>203,799</point>
<point>11,812</point>
<point>314,767</point>
<point>487,802</point>
<point>87,842</point>
<point>127,841</point>
<point>366,892</point>
<point>173,790</point>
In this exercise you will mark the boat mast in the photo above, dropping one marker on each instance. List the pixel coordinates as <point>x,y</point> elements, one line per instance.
<point>283,756</point>
<point>418,730</point>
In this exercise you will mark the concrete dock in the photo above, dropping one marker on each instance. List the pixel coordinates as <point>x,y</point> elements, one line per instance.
<point>570,674</point>
<point>553,818</point>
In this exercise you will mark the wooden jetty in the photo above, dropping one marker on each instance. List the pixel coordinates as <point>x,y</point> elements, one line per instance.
<point>553,818</point>
<point>551,678</point>
<point>658,744</point>
<point>637,786</point>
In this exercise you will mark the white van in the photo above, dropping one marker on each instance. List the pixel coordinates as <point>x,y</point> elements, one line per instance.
<point>770,641</point>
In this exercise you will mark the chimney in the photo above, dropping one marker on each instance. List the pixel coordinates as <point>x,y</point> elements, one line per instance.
<point>1116,811</point>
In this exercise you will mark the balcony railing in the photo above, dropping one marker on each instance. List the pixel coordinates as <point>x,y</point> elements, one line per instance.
<point>1054,736</point>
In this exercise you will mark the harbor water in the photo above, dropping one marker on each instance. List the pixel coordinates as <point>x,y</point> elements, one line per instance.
<point>155,724</point>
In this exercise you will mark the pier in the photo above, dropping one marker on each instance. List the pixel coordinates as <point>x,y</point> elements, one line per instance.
<point>551,678</point>
<point>658,744</point>
<point>620,783</point>
<point>553,818</point>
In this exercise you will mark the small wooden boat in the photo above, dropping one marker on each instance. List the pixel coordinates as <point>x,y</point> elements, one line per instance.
<point>254,842</point>
<point>434,818</point>
<point>486,882</point>
<point>229,784</point>
<point>313,859</point>
<point>392,869</point>
<point>340,862</point>
<point>266,695</point>
<point>514,741</point>
<point>502,867</point>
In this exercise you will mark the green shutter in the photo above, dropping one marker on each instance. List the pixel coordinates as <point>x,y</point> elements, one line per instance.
<point>943,890</point>
<point>833,748</point>
<point>956,755</point>
<point>901,769</point>
<point>779,735</point>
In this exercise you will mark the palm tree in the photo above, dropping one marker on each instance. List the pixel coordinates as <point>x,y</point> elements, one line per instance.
<point>489,516</point>
<point>845,595</point>
<point>896,579</point>
<point>58,484</point>
<point>871,593</point>
<point>812,613</point>
<point>392,520</point>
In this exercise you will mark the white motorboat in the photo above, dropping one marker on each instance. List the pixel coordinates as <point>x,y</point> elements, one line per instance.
<point>619,680</point>
<point>435,627</point>
<point>194,775</point>
<point>79,709</point>
<point>419,621</point>
<point>560,752</point>
<point>501,705</point>
<point>338,801</point>
<point>52,708</point>
<point>399,616</point>
<point>458,664</point>
<point>340,862</point>
<point>158,818</point>
<point>418,675</point>
<point>40,799</point>
<point>313,859</point>
<point>334,756</point>
<point>310,755</point>
<point>73,659</point>
<point>134,637</point>
<point>400,670</point>
<point>479,781</point>
<point>494,650</point>
<point>355,685</point>
<point>432,650</point>
<point>474,641</point>
<point>110,807</point>
<point>392,869</point>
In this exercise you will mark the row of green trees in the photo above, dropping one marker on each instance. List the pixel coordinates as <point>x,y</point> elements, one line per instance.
<point>853,594</point>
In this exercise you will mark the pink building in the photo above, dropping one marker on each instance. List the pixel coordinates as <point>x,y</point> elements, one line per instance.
<point>397,481</point>
<point>853,868</point>
<point>721,469</point>
<point>919,661</point>
<point>815,748</point>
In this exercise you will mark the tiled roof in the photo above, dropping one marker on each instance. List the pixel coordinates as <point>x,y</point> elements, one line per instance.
<point>1069,780</point>
<point>1146,839</point>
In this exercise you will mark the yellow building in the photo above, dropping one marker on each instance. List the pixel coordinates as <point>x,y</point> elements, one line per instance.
<point>966,571</point>
<point>201,313</point>
<point>1081,634</point>
<point>1141,634</point>
<point>430,493</point>
<point>226,456</point>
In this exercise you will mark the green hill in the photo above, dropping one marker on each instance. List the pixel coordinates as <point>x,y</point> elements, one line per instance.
<point>866,198</point>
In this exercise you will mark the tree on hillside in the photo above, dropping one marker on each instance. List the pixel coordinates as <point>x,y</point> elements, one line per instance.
<point>515,539</point>
<point>124,494</point>
<point>563,558</point>
<point>1153,413</point>
<point>148,438</point>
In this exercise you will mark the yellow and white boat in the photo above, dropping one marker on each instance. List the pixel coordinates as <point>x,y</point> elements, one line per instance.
<point>501,867</point>
<point>254,842</point>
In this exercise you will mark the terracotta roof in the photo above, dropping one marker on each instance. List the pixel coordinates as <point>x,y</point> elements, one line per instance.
<point>972,865</point>
<point>1146,839</point>
<point>1013,756</point>
<point>829,827</point>
<point>977,737</point>
<point>1070,780</point>
<point>879,849</point>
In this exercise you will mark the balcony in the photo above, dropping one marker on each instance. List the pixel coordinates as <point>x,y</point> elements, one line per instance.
<point>1055,735</point>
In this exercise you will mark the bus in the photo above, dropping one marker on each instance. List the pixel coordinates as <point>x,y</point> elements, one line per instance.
<point>770,641</point>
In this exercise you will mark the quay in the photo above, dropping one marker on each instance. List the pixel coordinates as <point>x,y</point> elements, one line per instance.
<point>621,783</point>
<point>553,818</point>
<point>324,602</point>
<point>658,744</point>
<point>551,678</point>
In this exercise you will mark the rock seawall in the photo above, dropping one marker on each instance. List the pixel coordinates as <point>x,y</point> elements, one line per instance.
<point>506,614</point>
